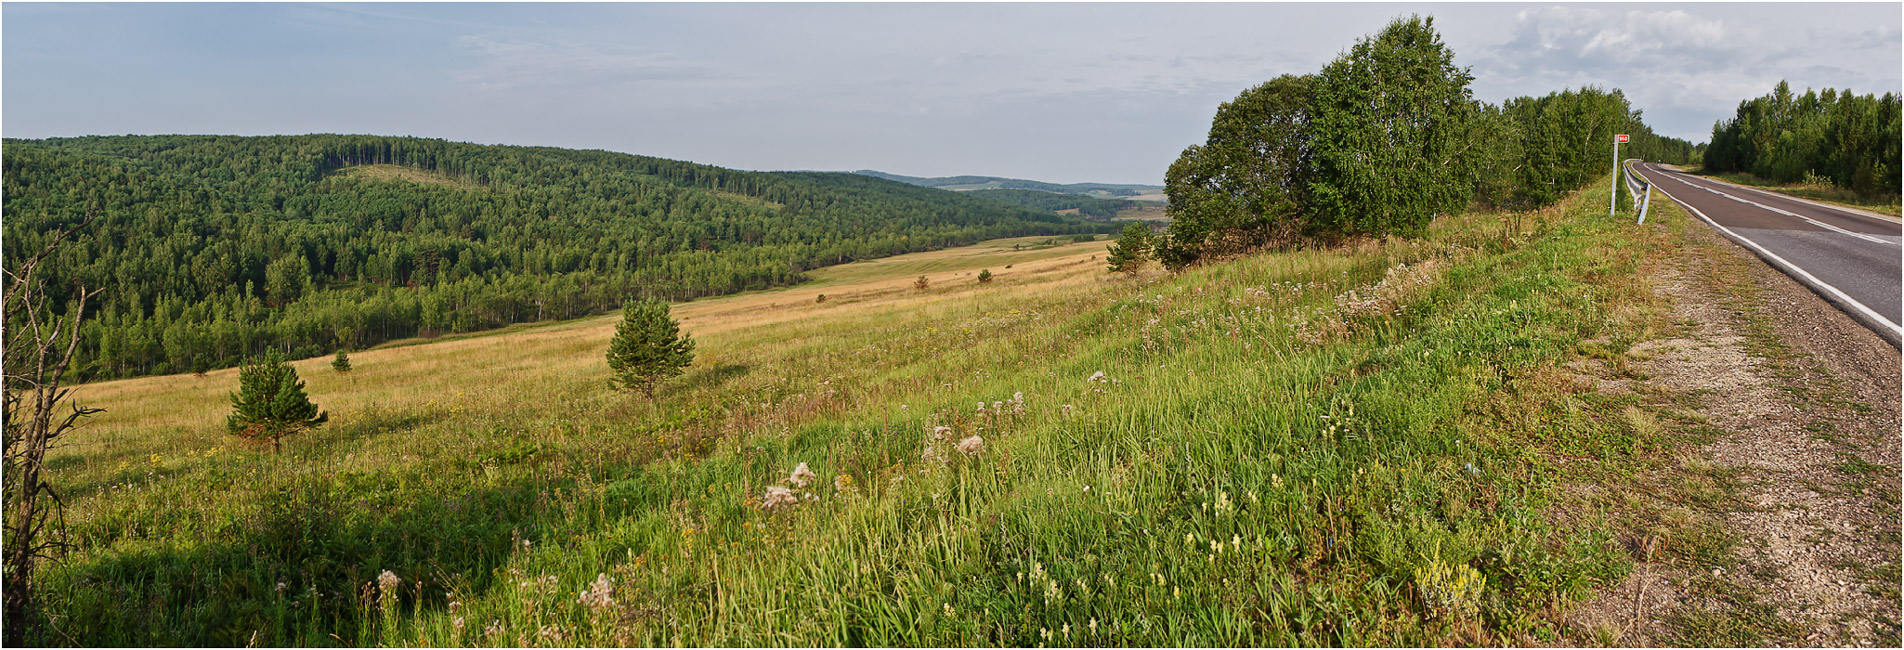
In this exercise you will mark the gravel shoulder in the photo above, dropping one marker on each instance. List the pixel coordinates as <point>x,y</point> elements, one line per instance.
<point>1781,527</point>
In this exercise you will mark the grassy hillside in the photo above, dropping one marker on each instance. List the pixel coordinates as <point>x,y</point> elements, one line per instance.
<point>1376,444</point>
<point>215,248</point>
<point>968,183</point>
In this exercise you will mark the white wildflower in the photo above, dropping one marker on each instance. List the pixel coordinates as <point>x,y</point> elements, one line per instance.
<point>778,497</point>
<point>801,476</point>
<point>972,446</point>
<point>599,594</point>
<point>387,583</point>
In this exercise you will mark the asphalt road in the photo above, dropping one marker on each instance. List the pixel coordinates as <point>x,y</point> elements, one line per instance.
<point>1850,258</point>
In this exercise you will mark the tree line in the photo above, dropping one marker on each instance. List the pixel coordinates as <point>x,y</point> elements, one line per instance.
<point>1828,137</point>
<point>1382,140</point>
<point>216,248</point>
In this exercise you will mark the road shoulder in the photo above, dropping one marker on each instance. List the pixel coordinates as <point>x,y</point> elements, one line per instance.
<point>1783,527</point>
<point>1846,207</point>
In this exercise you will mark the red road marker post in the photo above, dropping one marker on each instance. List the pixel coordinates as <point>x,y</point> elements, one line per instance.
<point>1613,202</point>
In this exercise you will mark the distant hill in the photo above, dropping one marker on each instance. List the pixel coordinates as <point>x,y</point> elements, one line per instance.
<point>1081,204</point>
<point>968,183</point>
<point>213,248</point>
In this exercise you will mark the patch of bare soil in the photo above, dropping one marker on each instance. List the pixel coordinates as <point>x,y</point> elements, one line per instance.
<point>1801,545</point>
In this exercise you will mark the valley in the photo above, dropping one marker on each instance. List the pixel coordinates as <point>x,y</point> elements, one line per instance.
<point>498,473</point>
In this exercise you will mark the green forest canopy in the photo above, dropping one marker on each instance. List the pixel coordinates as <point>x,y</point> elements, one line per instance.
<point>1089,206</point>
<point>1836,137</point>
<point>1382,140</point>
<point>215,248</point>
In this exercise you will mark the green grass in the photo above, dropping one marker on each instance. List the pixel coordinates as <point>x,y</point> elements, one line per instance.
<point>1269,463</point>
<point>1887,204</point>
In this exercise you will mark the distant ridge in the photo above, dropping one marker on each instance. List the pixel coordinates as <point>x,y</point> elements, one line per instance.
<point>968,183</point>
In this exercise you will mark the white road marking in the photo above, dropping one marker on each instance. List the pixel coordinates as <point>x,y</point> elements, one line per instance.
<point>1815,222</point>
<point>1794,269</point>
<point>1889,221</point>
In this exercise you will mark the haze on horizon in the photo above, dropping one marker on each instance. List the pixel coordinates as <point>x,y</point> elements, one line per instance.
<point>1063,93</point>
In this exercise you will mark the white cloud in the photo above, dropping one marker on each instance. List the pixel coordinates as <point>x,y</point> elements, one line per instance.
<point>1675,63</point>
<point>506,64</point>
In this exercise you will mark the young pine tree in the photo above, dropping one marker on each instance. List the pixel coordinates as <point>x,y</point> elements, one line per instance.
<point>341,362</point>
<point>1131,249</point>
<point>648,347</point>
<point>270,403</point>
<point>984,276</point>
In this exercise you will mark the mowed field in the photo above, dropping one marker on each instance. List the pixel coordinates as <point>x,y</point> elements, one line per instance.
<point>1374,444</point>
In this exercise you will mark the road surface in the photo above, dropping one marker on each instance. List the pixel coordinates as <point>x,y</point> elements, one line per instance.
<point>1850,258</point>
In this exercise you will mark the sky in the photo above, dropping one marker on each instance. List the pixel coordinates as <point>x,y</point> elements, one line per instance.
<point>1055,92</point>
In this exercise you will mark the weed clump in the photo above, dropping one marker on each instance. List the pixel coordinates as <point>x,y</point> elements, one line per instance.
<point>1450,591</point>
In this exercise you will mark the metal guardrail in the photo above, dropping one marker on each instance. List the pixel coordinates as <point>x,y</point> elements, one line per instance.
<point>1639,187</point>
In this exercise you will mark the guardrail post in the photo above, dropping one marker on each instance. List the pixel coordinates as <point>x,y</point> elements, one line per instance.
<point>1647,203</point>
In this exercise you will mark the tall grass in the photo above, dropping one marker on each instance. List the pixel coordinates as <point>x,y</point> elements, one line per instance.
<point>1367,445</point>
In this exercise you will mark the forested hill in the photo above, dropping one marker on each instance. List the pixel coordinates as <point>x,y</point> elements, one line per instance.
<point>963,183</point>
<point>212,248</point>
<point>1089,206</point>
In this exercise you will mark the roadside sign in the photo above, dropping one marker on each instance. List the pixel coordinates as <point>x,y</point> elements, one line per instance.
<point>1622,138</point>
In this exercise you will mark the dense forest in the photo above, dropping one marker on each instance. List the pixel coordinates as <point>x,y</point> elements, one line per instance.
<point>1089,206</point>
<point>1542,148</point>
<point>1831,137</point>
<point>1381,141</point>
<point>215,248</point>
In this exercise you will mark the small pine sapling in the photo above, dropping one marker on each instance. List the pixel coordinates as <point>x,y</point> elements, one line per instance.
<point>984,276</point>
<point>1132,248</point>
<point>922,283</point>
<point>648,347</point>
<point>270,403</point>
<point>341,362</point>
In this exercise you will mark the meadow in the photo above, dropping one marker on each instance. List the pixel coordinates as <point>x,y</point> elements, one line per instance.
<point>1381,443</point>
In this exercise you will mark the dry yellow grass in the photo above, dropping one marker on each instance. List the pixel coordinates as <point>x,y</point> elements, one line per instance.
<point>390,173</point>
<point>1144,212</point>
<point>170,411</point>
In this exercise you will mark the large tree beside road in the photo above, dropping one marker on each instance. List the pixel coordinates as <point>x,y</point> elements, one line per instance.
<point>1380,142</point>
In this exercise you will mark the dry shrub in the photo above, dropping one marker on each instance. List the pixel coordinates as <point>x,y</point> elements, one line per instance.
<point>1402,284</point>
